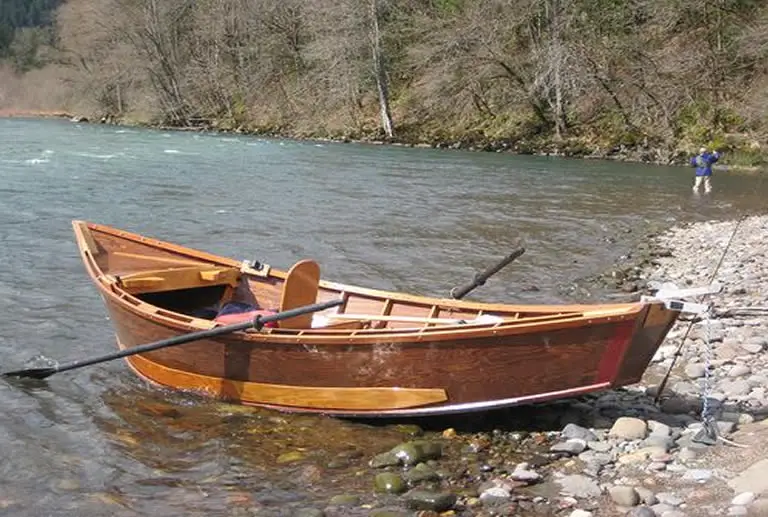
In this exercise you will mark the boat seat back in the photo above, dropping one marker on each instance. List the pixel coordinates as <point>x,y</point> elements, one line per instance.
<point>300,288</point>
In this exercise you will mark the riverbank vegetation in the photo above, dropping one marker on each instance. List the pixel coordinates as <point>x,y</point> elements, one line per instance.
<point>634,79</point>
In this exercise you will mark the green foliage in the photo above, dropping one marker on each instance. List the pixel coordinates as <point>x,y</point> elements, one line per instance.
<point>24,29</point>
<point>25,50</point>
<point>6,37</point>
<point>609,17</point>
<point>693,123</point>
<point>27,13</point>
<point>746,157</point>
<point>669,75</point>
<point>447,6</point>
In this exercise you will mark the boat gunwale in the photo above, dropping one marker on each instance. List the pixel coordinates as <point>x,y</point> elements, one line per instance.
<point>185,323</point>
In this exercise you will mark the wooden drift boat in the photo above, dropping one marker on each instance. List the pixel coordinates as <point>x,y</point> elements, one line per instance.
<point>377,354</point>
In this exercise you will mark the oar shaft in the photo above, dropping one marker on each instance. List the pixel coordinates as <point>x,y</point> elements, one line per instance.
<point>256,323</point>
<point>461,292</point>
<point>171,341</point>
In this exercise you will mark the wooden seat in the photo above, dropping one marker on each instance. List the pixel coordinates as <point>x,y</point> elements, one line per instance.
<point>300,288</point>
<point>171,279</point>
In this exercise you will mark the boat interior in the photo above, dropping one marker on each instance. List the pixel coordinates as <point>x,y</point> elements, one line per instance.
<point>226,291</point>
<point>215,292</point>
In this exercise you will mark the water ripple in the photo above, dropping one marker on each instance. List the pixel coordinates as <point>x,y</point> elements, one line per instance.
<point>99,441</point>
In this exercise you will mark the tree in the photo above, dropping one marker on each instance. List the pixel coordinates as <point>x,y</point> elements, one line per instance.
<point>379,69</point>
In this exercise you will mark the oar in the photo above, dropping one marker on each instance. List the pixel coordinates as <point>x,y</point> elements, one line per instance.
<point>257,323</point>
<point>461,292</point>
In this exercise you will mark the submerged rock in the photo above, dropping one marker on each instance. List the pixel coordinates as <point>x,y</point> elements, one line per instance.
<point>389,482</point>
<point>411,453</point>
<point>432,501</point>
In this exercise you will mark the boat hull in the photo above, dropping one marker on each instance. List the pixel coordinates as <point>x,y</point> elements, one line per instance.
<point>397,378</point>
<point>524,354</point>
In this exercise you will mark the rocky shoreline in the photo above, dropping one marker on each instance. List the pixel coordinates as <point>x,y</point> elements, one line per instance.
<point>617,453</point>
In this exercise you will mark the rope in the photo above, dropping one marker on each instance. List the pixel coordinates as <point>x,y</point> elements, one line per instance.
<point>733,444</point>
<point>679,350</point>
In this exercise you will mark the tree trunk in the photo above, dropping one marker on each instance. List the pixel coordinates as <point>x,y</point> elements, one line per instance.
<point>380,72</point>
<point>558,58</point>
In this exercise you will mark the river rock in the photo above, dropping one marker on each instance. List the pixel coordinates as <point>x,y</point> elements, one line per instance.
<point>739,370</point>
<point>599,446</point>
<point>344,500</point>
<point>389,482</point>
<point>495,495</point>
<point>669,499</point>
<point>662,509</point>
<point>743,499</point>
<point>385,459</point>
<point>575,431</point>
<point>628,428</point>
<point>697,475</point>
<point>752,348</point>
<point>429,501</point>
<point>624,495</point>
<point>411,453</point>
<point>419,473</point>
<point>525,475</point>
<point>571,447</point>
<point>695,370</point>
<point>753,479</point>
<point>579,486</point>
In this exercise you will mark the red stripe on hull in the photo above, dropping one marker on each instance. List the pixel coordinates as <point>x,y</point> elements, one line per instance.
<point>611,361</point>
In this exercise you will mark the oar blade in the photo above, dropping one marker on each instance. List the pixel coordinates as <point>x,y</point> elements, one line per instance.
<point>31,373</point>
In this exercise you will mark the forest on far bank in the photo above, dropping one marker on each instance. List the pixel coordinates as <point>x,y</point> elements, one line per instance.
<point>649,80</point>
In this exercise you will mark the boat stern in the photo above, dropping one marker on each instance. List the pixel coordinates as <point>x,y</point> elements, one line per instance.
<point>646,340</point>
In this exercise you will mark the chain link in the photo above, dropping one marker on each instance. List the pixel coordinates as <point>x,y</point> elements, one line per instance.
<point>708,433</point>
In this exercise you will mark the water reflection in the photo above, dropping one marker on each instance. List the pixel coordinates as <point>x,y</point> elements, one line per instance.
<point>220,455</point>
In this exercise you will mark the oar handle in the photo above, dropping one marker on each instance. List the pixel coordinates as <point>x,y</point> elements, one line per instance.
<point>460,292</point>
<point>258,322</point>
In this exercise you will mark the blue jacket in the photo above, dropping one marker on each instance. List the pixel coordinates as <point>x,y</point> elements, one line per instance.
<point>703,163</point>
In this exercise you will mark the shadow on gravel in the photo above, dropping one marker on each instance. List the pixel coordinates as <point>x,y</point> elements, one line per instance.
<point>598,411</point>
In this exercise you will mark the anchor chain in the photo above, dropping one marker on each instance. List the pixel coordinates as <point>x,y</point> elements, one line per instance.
<point>708,434</point>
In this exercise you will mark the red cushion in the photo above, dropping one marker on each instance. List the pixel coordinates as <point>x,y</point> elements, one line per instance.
<point>239,317</point>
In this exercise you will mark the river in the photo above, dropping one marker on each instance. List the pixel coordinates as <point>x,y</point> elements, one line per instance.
<point>98,440</point>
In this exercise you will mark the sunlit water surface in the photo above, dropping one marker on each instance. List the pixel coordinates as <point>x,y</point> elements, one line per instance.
<point>98,441</point>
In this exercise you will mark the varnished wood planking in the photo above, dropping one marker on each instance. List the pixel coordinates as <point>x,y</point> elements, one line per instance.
<point>645,343</point>
<point>321,397</point>
<point>300,289</point>
<point>85,240</point>
<point>486,368</point>
<point>175,278</point>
